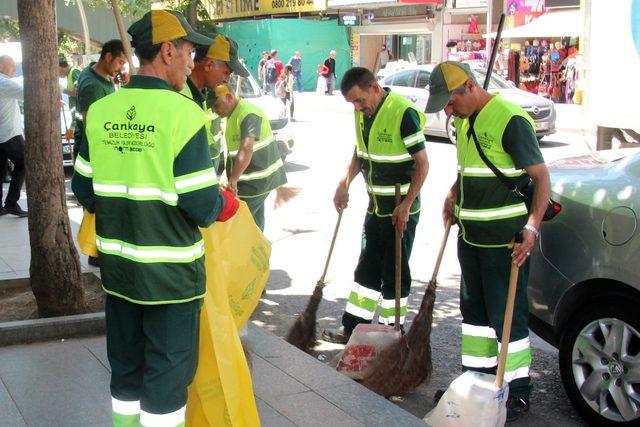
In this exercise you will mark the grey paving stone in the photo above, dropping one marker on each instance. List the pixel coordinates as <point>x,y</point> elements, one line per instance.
<point>269,417</point>
<point>270,383</point>
<point>311,410</point>
<point>57,383</point>
<point>9,414</point>
<point>294,362</point>
<point>4,267</point>
<point>16,257</point>
<point>368,407</point>
<point>98,347</point>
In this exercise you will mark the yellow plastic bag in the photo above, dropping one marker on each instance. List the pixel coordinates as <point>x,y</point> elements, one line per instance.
<point>237,263</point>
<point>87,234</point>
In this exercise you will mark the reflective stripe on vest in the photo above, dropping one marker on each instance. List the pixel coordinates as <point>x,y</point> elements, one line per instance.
<point>488,212</point>
<point>266,169</point>
<point>385,159</point>
<point>148,254</point>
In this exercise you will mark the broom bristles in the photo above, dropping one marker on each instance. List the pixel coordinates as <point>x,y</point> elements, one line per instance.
<point>303,332</point>
<point>284,195</point>
<point>405,365</point>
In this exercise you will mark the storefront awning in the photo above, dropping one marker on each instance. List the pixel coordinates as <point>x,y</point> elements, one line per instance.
<point>553,23</point>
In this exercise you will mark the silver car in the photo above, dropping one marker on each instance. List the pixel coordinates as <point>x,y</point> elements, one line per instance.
<point>584,284</point>
<point>412,83</point>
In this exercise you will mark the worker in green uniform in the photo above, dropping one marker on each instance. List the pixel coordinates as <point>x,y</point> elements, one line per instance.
<point>213,65</point>
<point>96,82</point>
<point>390,149</point>
<point>146,173</point>
<point>254,167</point>
<point>489,215</point>
<point>71,74</point>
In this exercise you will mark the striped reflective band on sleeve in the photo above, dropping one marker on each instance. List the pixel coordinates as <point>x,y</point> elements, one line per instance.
<point>196,181</point>
<point>150,254</point>
<point>135,193</point>
<point>172,419</point>
<point>83,167</point>
<point>362,302</point>
<point>399,158</point>
<point>387,190</point>
<point>263,173</point>
<point>492,214</point>
<point>123,407</point>
<point>388,310</point>
<point>257,145</point>
<point>513,172</point>
<point>413,139</point>
<point>518,359</point>
<point>479,346</point>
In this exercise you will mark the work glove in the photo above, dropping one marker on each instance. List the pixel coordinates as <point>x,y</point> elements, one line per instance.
<point>230,207</point>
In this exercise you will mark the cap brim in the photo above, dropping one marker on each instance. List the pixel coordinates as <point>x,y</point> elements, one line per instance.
<point>198,38</point>
<point>238,68</point>
<point>437,102</point>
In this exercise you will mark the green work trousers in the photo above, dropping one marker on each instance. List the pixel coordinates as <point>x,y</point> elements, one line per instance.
<point>153,353</point>
<point>256,207</point>
<point>374,276</point>
<point>483,296</point>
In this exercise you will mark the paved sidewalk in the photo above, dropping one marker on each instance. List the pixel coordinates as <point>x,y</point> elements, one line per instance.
<point>66,383</point>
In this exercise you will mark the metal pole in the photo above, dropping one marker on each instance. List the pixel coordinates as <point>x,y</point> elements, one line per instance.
<point>85,29</point>
<point>487,47</point>
<point>123,36</point>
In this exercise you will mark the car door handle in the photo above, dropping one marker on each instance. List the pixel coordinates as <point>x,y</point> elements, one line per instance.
<point>413,98</point>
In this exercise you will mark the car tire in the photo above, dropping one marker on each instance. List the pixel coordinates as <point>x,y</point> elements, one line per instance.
<point>600,383</point>
<point>451,130</point>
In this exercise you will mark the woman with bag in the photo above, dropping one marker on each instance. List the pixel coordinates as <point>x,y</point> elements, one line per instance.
<point>284,87</point>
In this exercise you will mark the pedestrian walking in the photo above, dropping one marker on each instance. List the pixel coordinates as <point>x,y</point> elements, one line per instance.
<point>272,70</point>
<point>296,63</point>
<point>489,215</point>
<point>146,173</point>
<point>263,60</point>
<point>284,88</point>
<point>390,149</point>
<point>11,136</point>
<point>71,74</point>
<point>383,57</point>
<point>95,82</point>
<point>213,65</point>
<point>330,72</point>
<point>254,166</point>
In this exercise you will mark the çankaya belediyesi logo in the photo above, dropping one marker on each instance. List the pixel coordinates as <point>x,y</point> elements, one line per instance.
<point>128,126</point>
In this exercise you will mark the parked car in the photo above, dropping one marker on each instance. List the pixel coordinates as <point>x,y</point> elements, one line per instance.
<point>412,83</point>
<point>584,284</point>
<point>275,110</point>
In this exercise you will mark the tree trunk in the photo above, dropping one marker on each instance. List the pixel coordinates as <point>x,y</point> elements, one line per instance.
<point>192,14</point>
<point>55,266</point>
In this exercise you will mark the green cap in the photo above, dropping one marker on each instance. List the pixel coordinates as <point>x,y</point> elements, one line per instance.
<point>223,49</point>
<point>444,79</point>
<point>163,25</point>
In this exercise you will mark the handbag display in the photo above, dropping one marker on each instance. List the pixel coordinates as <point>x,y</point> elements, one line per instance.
<point>527,190</point>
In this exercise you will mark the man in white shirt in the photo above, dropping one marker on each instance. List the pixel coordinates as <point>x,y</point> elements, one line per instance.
<point>11,137</point>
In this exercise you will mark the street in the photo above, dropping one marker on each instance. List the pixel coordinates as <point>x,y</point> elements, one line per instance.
<point>301,233</point>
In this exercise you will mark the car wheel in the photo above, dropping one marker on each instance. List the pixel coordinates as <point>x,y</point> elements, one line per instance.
<point>451,130</point>
<point>600,363</point>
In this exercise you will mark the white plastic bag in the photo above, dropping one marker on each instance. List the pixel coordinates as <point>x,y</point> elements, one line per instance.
<point>472,400</point>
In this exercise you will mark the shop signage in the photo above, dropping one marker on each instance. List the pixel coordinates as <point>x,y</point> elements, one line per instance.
<point>466,4</point>
<point>521,12</point>
<point>389,12</point>
<point>561,3</point>
<point>224,9</point>
<point>349,19</point>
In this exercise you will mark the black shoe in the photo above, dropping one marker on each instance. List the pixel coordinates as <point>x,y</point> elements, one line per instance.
<point>516,408</point>
<point>16,210</point>
<point>2,211</point>
<point>94,261</point>
<point>337,336</point>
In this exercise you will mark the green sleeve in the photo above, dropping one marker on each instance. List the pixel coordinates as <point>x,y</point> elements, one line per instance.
<point>250,126</point>
<point>82,180</point>
<point>87,95</point>
<point>75,75</point>
<point>196,181</point>
<point>520,142</point>
<point>411,132</point>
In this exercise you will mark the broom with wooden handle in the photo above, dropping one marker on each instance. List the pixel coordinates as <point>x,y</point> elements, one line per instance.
<point>405,365</point>
<point>303,332</point>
